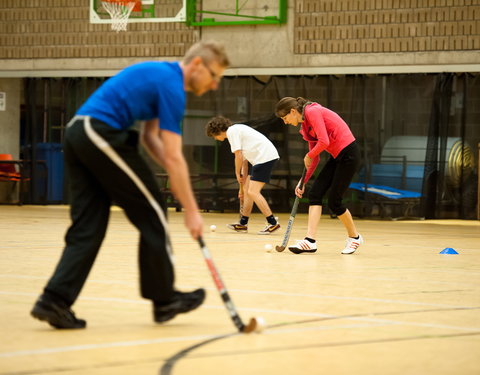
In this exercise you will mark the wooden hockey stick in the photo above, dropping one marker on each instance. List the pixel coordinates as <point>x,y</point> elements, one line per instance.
<point>241,200</point>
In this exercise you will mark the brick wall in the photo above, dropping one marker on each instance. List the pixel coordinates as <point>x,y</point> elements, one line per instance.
<point>50,29</point>
<point>371,26</point>
<point>36,29</point>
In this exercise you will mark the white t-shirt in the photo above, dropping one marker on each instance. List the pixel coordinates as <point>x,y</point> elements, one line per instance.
<point>255,147</point>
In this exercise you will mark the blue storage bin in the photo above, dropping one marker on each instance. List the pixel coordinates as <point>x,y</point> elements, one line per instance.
<point>52,153</point>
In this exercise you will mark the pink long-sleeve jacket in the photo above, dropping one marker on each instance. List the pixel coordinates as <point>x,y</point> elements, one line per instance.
<point>323,129</point>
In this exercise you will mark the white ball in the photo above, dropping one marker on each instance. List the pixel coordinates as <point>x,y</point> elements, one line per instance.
<point>213,228</point>
<point>268,246</point>
<point>260,324</point>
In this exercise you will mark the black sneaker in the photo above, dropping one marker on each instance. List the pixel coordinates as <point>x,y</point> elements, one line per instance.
<point>180,303</point>
<point>237,227</point>
<point>56,314</point>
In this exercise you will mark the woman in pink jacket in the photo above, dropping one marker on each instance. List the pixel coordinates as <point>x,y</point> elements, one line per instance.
<point>323,129</point>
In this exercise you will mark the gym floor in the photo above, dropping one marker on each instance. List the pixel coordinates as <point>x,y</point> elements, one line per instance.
<point>396,306</point>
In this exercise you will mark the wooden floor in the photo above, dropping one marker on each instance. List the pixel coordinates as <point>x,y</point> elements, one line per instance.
<point>395,307</point>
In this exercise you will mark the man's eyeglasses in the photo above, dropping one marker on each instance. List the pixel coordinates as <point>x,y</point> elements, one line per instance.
<point>214,75</point>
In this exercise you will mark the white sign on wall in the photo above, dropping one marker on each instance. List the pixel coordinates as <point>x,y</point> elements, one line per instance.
<point>3,101</point>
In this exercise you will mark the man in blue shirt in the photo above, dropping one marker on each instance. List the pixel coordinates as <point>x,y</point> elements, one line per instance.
<point>104,166</point>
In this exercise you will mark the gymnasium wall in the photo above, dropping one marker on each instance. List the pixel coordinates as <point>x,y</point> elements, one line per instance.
<point>56,36</point>
<point>375,62</point>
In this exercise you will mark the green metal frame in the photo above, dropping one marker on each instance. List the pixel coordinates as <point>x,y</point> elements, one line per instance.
<point>193,12</point>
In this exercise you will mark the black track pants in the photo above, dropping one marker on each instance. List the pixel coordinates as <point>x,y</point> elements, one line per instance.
<point>104,166</point>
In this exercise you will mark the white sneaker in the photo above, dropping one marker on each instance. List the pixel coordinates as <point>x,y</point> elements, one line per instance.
<point>303,246</point>
<point>269,228</point>
<point>352,244</point>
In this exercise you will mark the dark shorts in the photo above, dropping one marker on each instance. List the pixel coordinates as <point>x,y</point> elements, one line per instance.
<point>262,172</point>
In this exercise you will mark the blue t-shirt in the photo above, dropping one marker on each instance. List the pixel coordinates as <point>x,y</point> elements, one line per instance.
<point>140,92</point>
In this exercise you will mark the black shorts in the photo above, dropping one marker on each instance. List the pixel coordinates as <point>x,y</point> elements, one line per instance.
<point>262,172</point>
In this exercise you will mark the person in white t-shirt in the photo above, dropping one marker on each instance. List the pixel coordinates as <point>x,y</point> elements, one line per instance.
<point>249,146</point>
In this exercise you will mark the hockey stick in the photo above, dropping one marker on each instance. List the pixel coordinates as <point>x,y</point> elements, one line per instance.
<point>241,200</point>
<point>292,218</point>
<point>255,324</point>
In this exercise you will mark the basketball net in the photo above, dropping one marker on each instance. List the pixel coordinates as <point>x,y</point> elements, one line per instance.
<point>120,10</point>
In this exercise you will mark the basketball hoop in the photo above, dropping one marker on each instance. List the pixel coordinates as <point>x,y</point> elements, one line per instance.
<point>120,10</point>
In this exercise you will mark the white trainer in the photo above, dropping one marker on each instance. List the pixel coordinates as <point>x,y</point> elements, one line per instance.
<point>352,244</point>
<point>303,246</point>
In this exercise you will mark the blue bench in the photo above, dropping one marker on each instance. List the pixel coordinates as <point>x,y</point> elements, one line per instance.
<point>387,195</point>
<point>406,177</point>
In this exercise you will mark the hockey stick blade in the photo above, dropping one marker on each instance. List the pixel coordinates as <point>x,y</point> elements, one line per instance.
<point>256,324</point>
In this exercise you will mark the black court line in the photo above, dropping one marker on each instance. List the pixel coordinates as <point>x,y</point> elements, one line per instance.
<point>166,369</point>
<point>171,361</point>
<point>169,366</point>
<point>84,369</point>
<point>365,315</point>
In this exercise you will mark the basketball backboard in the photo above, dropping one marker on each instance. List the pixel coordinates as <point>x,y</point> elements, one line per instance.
<point>200,12</point>
<point>151,11</point>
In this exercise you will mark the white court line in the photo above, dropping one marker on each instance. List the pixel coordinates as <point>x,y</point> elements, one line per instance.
<point>286,294</point>
<point>63,349</point>
<point>74,348</point>
<point>13,276</point>
<point>284,312</point>
<point>349,298</point>
<point>30,277</point>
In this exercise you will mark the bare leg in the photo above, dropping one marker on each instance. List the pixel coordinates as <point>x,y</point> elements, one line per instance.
<point>347,221</point>
<point>247,200</point>
<point>314,215</point>
<point>254,194</point>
